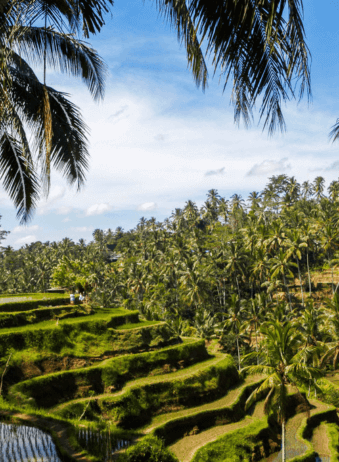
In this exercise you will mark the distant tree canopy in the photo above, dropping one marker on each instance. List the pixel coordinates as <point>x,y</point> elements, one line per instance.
<point>197,258</point>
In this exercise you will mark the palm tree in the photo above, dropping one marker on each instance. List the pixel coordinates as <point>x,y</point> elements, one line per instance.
<point>281,363</point>
<point>234,320</point>
<point>60,135</point>
<point>294,245</point>
<point>307,231</point>
<point>318,187</point>
<point>254,315</point>
<point>281,266</point>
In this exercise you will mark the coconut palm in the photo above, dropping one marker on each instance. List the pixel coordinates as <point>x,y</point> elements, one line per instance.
<point>319,187</point>
<point>253,314</point>
<point>281,266</point>
<point>235,316</point>
<point>60,135</point>
<point>294,246</point>
<point>283,368</point>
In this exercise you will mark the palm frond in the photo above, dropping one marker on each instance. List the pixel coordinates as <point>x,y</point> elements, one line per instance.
<point>79,15</point>
<point>178,15</point>
<point>69,141</point>
<point>64,53</point>
<point>271,382</point>
<point>334,133</point>
<point>69,153</point>
<point>250,41</point>
<point>298,371</point>
<point>18,176</point>
<point>260,370</point>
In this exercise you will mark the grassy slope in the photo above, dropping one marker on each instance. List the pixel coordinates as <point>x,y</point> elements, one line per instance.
<point>144,381</point>
<point>52,323</point>
<point>93,347</point>
<point>232,442</point>
<point>223,402</point>
<point>110,372</point>
<point>34,296</point>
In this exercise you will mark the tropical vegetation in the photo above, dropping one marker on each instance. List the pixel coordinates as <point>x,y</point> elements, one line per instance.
<point>256,278</point>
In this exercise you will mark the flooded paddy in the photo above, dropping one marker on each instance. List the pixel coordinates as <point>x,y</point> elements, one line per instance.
<point>101,443</point>
<point>20,443</point>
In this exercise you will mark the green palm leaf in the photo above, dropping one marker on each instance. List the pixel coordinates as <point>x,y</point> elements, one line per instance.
<point>66,54</point>
<point>19,179</point>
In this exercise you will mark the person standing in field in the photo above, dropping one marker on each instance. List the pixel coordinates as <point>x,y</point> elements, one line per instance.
<point>72,298</point>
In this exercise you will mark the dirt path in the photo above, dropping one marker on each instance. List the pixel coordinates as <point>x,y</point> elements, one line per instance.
<point>223,402</point>
<point>147,381</point>
<point>321,444</point>
<point>57,427</point>
<point>295,447</point>
<point>185,448</point>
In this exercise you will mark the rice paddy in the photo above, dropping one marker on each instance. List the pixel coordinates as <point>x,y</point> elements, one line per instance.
<point>20,443</point>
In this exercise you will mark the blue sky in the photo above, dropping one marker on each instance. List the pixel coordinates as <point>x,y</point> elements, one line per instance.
<point>157,141</point>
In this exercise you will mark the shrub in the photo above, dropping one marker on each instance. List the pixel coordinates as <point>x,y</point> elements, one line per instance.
<point>149,449</point>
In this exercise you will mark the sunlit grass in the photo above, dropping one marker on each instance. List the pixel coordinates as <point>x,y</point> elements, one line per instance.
<point>101,316</point>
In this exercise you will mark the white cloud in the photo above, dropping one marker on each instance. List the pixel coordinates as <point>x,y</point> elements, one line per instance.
<point>65,220</point>
<point>98,209</point>
<point>26,240</point>
<point>64,210</point>
<point>219,171</point>
<point>83,229</point>
<point>23,229</point>
<point>333,166</point>
<point>267,167</point>
<point>160,137</point>
<point>117,114</point>
<point>147,206</point>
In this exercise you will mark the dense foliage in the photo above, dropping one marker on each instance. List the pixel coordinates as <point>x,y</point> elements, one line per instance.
<point>215,271</point>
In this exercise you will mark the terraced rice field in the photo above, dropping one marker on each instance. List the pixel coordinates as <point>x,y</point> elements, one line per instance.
<point>100,381</point>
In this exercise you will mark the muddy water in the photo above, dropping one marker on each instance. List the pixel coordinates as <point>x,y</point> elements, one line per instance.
<point>20,443</point>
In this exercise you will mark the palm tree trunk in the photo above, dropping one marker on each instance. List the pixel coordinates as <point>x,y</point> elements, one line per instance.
<point>283,441</point>
<point>301,284</point>
<point>309,275</point>
<point>256,343</point>
<point>224,291</point>
<point>288,292</point>
<point>238,353</point>
<point>238,285</point>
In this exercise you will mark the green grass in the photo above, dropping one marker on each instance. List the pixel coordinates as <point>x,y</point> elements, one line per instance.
<point>29,303</point>
<point>136,405</point>
<point>234,442</point>
<point>52,323</point>
<point>229,408</point>
<point>48,335</point>
<point>129,326</point>
<point>48,390</point>
<point>80,344</point>
<point>34,296</point>
<point>23,318</point>
<point>332,430</point>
